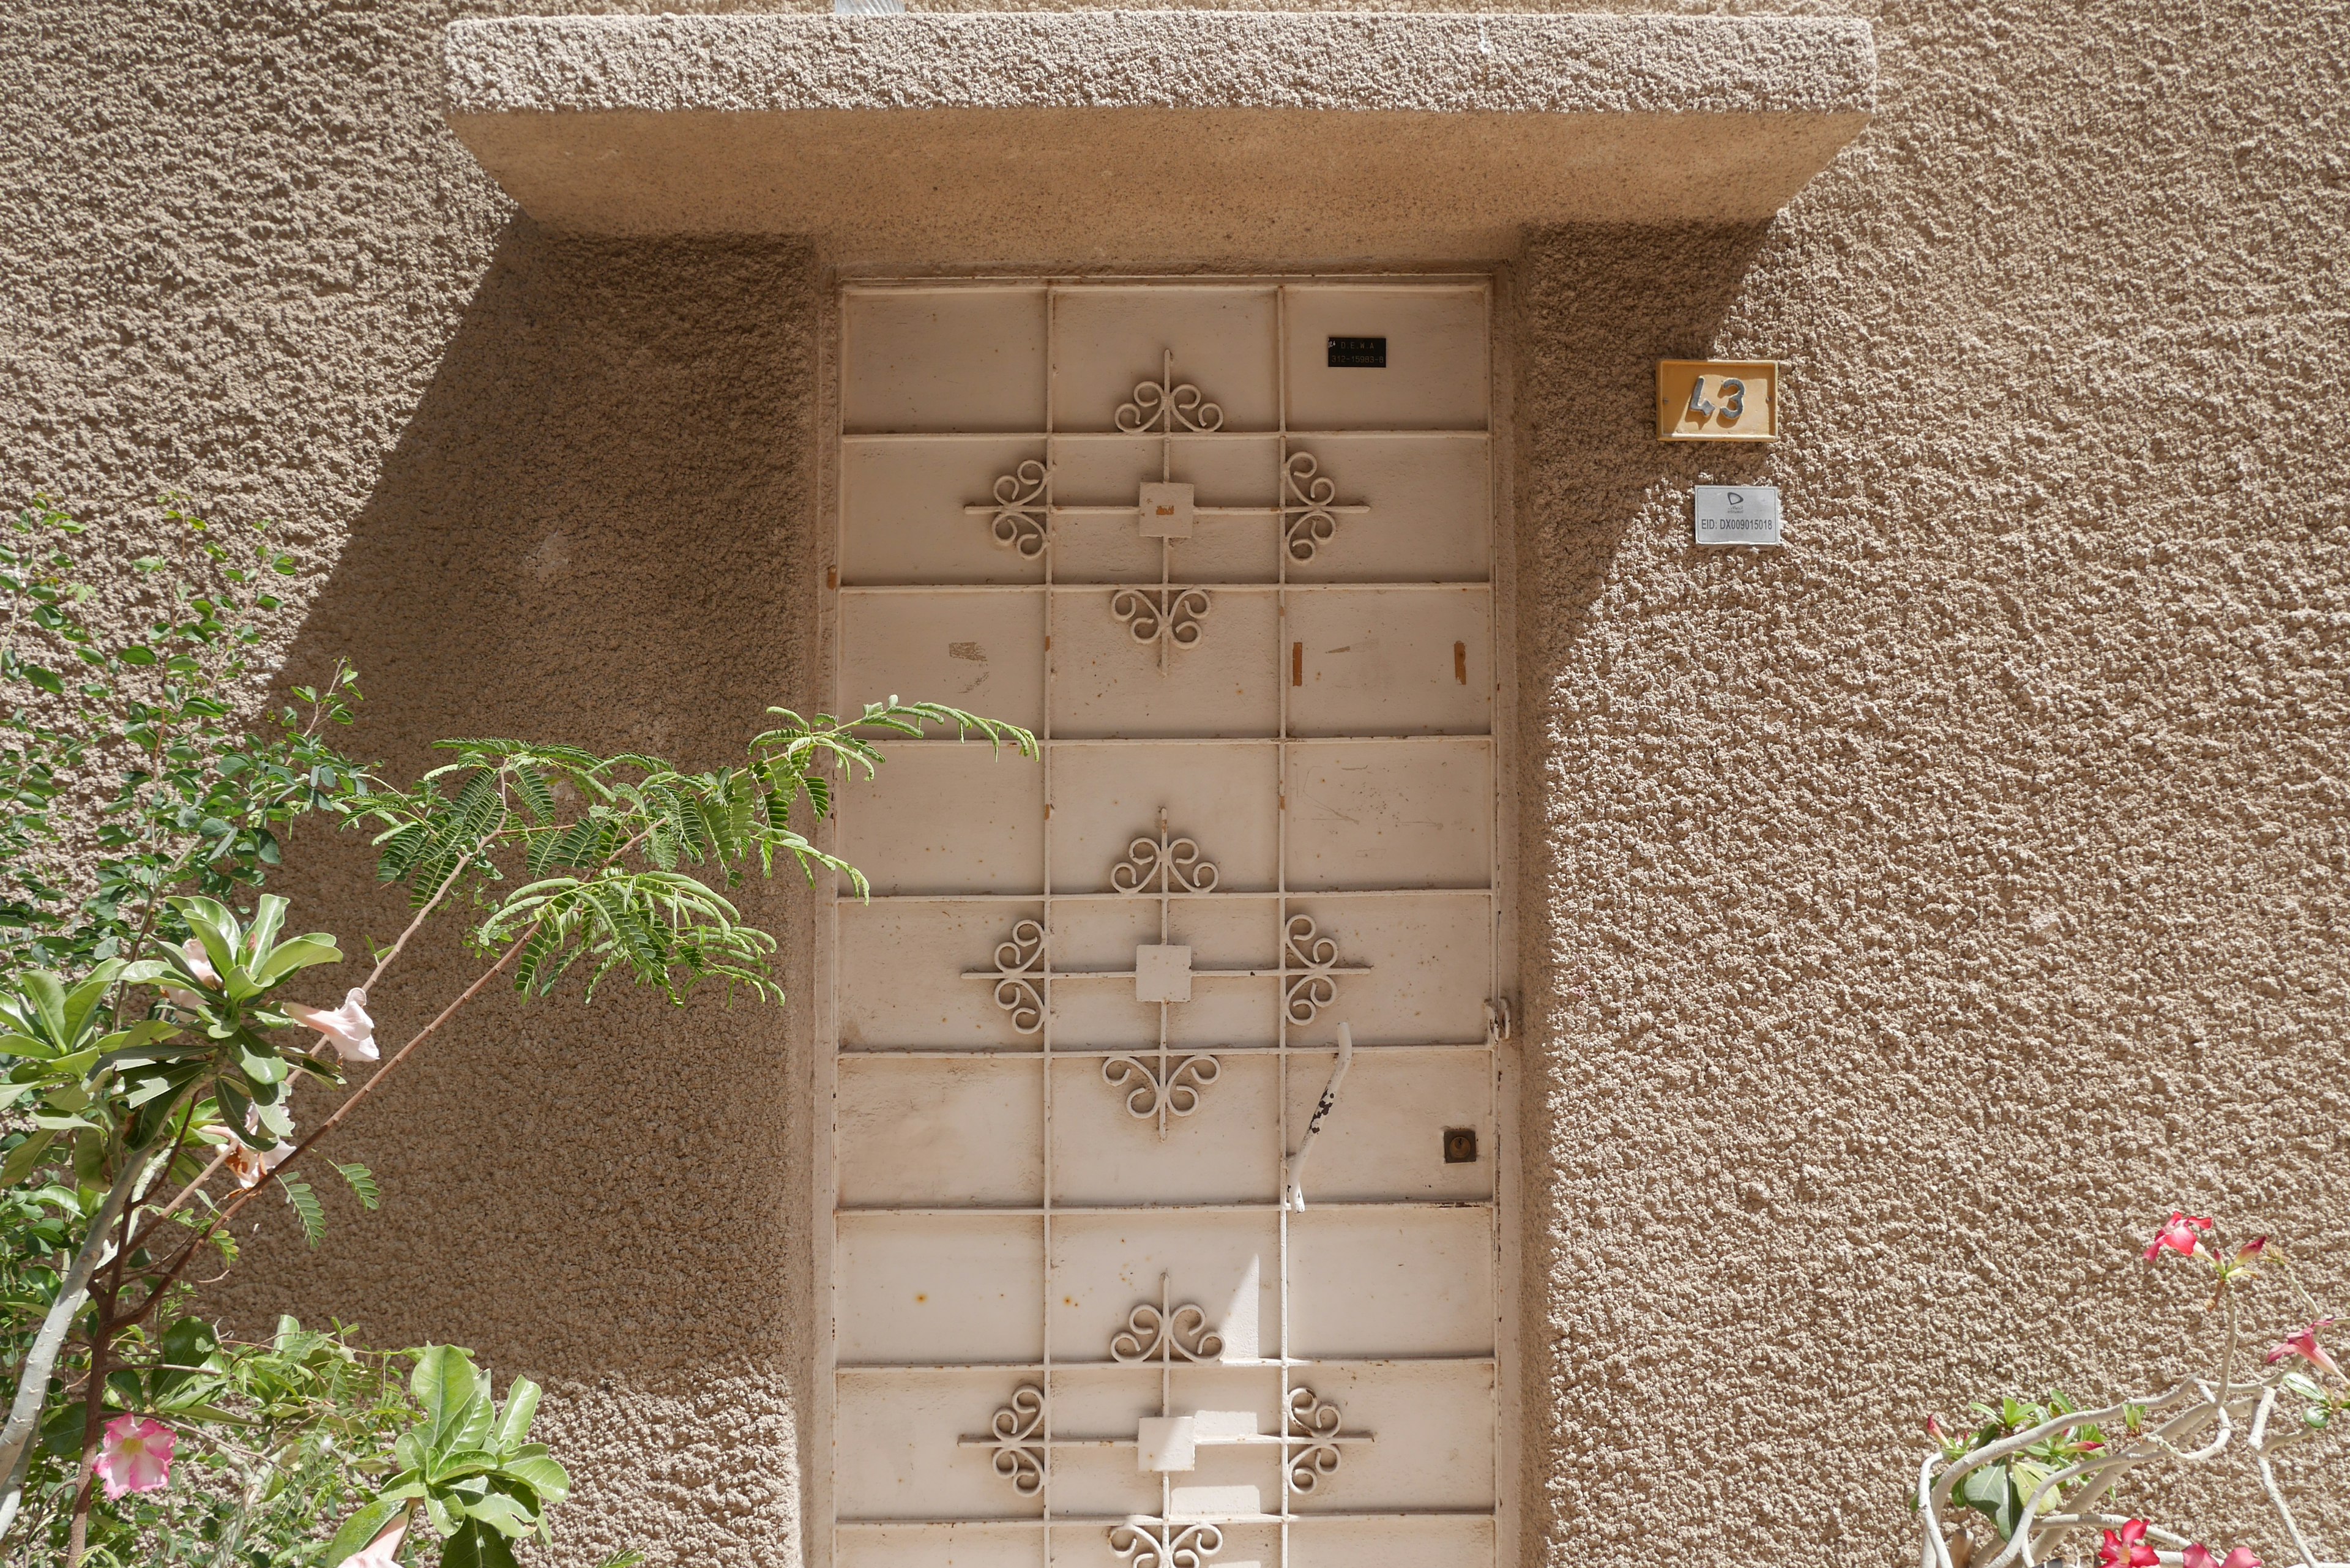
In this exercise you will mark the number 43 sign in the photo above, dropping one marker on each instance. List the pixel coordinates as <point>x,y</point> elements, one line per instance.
<point>1717,400</point>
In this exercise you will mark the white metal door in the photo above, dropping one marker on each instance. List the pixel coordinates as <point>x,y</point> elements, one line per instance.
<point>1226,546</point>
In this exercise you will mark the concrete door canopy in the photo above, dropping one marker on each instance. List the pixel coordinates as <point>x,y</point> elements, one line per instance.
<point>1142,137</point>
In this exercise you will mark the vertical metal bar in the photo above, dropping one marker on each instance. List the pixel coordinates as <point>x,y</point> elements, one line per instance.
<point>1044,1039</point>
<point>1281,884</point>
<point>1166,895</point>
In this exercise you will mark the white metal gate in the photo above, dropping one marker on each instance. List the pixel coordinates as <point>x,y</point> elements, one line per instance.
<point>1226,546</point>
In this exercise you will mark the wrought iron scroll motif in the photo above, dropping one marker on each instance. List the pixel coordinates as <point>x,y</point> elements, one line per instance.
<point>1160,1543</point>
<point>1306,496</point>
<point>1173,1088</point>
<point>1307,993</point>
<point>1317,1422</point>
<point>1163,864</point>
<point>1167,406</point>
<point>1018,1431</point>
<point>1023,516</point>
<point>1020,972</point>
<point>1168,615</point>
<point>1164,1334</point>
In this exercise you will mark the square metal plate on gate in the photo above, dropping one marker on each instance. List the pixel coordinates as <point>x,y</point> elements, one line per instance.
<point>1167,511</point>
<point>1162,973</point>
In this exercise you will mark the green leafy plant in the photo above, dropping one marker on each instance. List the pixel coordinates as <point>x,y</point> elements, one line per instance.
<point>467,1465</point>
<point>154,1034</point>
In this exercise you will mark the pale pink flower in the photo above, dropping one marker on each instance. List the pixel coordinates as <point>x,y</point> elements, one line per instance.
<point>248,1164</point>
<point>2183,1233</point>
<point>2305,1345</point>
<point>2199,1556</point>
<point>200,964</point>
<point>383,1551</point>
<point>349,1027</point>
<point>134,1455</point>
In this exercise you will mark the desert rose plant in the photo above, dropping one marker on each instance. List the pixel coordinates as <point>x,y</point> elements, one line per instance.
<point>2047,1478</point>
<point>158,1012</point>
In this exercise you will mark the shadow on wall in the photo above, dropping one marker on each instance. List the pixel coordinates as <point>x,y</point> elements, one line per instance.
<point>1597,306</point>
<point>591,531</point>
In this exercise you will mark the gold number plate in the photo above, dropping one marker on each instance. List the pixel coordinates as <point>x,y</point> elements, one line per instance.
<point>1717,400</point>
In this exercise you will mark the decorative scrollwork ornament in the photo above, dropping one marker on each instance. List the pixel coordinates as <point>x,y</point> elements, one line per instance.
<point>1175,1087</point>
<point>1311,1419</point>
<point>1023,516</point>
<point>1161,1334</point>
<point>1019,971</point>
<point>1160,1543</point>
<point>1169,614</point>
<point>1018,1431</point>
<point>1168,407</point>
<point>1307,497</point>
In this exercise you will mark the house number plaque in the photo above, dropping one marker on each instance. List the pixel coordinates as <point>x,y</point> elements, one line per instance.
<point>1717,400</point>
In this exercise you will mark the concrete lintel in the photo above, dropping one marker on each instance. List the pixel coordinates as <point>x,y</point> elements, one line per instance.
<point>1140,136</point>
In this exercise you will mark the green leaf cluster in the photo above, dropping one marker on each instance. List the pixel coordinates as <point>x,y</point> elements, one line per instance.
<point>601,865</point>
<point>468,1466</point>
<point>2000,1489</point>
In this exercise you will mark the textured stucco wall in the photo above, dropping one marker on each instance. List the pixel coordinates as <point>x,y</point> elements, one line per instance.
<point>1909,912</point>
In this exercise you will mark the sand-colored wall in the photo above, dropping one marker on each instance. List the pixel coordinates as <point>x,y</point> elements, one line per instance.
<point>1910,912</point>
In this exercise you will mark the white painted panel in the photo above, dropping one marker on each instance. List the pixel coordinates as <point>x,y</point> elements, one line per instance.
<point>1429,496</point>
<point>902,518</point>
<point>1108,340</point>
<point>1392,661</point>
<point>928,1132</point>
<point>1433,1428</point>
<point>1430,962</point>
<point>1415,813</point>
<point>1435,377</point>
<point>894,1425</point>
<point>1105,1265</point>
<point>1105,683</point>
<point>953,1546</point>
<point>1390,1282</point>
<point>920,1289</point>
<point>943,359</point>
<point>1392,1543</point>
<point>974,651</point>
<point>1220,797</point>
<point>1384,1140</point>
<point>1244,1546</point>
<point>947,819</point>
<point>900,969</point>
<point>1104,1153</point>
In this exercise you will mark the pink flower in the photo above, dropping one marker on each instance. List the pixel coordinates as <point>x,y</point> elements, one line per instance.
<point>2127,1548</point>
<point>134,1455</point>
<point>2305,1345</point>
<point>2199,1556</point>
<point>348,1027</point>
<point>1934,1428</point>
<point>2183,1233</point>
<point>2245,1254</point>
<point>383,1551</point>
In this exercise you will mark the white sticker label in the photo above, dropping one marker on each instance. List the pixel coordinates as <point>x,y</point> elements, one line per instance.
<point>1737,514</point>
